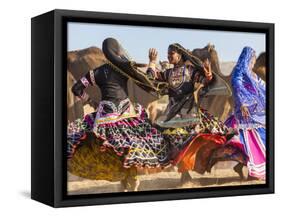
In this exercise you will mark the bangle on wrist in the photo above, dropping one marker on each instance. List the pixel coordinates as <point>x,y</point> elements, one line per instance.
<point>209,77</point>
<point>152,64</point>
<point>85,81</point>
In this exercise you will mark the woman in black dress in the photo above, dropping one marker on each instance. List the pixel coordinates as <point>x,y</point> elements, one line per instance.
<point>120,124</point>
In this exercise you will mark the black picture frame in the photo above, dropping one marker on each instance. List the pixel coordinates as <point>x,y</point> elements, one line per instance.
<point>48,163</point>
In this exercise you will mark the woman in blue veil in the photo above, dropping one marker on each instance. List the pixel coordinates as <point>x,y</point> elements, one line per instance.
<point>249,112</point>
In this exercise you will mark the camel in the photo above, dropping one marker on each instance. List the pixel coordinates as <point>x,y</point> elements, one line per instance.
<point>74,105</point>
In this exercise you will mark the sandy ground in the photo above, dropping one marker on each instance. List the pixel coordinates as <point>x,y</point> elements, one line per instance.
<point>162,180</point>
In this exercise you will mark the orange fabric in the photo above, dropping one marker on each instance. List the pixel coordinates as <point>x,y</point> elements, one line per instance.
<point>187,158</point>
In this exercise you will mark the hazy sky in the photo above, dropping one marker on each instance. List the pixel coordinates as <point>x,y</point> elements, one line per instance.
<point>137,40</point>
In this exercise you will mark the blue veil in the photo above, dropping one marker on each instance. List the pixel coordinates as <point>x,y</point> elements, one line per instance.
<point>246,89</point>
<point>244,60</point>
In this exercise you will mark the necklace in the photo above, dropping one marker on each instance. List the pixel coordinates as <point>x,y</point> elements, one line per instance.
<point>177,77</point>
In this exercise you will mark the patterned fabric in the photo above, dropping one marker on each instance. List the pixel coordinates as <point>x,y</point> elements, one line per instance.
<point>249,90</point>
<point>195,147</point>
<point>199,146</point>
<point>253,138</point>
<point>177,76</point>
<point>92,163</point>
<point>127,131</point>
<point>182,82</point>
<point>108,112</point>
<point>76,132</point>
<point>177,138</point>
<point>92,76</point>
<point>85,81</point>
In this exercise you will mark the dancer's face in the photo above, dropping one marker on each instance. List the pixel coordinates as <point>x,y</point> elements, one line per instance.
<point>173,57</point>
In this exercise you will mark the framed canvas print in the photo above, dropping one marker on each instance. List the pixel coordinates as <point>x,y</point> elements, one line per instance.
<point>134,108</point>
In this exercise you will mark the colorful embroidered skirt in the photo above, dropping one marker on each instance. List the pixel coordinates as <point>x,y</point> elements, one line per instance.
<point>199,151</point>
<point>126,130</point>
<point>254,139</point>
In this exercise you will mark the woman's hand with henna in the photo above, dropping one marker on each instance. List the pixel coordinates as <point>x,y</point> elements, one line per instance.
<point>207,69</point>
<point>245,112</point>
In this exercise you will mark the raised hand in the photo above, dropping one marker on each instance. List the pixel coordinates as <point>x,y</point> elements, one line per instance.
<point>207,69</point>
<point>245,112</point>
<point>152,54</point>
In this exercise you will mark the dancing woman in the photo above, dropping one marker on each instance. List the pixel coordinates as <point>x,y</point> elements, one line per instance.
<point>207,140</point>
<point>187,77</point>
<point>119,124</point>
<point>249,111</point>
